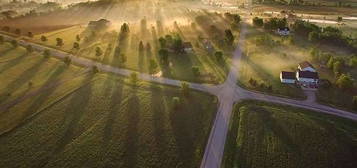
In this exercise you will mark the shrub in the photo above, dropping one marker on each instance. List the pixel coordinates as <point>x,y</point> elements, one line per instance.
<point>59,42</point>
<point>344,82</point>
<point>152,66</point>
<point>67,60</point>
<point>2,39</point>
<point>185,88</point>
<point>30,34</point>
<point>218,55</point>
<point>76,45</point>
<point>43,38</point>
<point>29,48</point>
<point>95,69</point>
<point>46,53</point>
<point>196,71</point>
<point>98,51</point>
<point>134,78</point>
<point>258,22</point>
<point>252,82</point>
<point>176,102</point>
<point>14,43</point>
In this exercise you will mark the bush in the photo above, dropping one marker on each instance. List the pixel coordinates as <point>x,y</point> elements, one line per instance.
<point>344,82</point>
<point>218,55</point>
<point>196,71</point>
<point>95,69</point>
<point>30,34</point>
<point>76,45</point>
<point>152,66</point>
<point>14,43</point>
<point>43,38</point>
<point>59,42</point>
<point>98,51</point>
<point>67,60</point>
<point>185,88</point>
<point>46,53</point>
<point>353,62</point>
<point>252,82</point>
<point>29,48</point>
<point>134,78</point>
<point>176,102</point>
<point>258,22</point>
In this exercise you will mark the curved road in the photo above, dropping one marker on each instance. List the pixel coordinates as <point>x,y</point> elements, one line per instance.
<point>228,94</point>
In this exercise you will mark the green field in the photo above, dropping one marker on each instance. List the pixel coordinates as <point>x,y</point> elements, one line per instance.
<point>268,135</point>
<point>70,117</point>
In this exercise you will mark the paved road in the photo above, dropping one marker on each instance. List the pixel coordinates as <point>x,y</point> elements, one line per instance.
<point>228,93</point>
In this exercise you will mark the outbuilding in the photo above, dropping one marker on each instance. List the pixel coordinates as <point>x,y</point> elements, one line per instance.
<point>306,66</point>
<point>307,77</point>
<point>287,77</point>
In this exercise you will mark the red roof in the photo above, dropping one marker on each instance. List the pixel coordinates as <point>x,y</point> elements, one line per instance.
<point>305,64</point>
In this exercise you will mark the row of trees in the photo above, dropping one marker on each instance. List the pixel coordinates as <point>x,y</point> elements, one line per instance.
<point>271,24</point>
<point>330,35</point>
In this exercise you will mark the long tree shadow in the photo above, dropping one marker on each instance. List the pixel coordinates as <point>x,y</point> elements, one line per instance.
<point>183,135</point>
<point>12,63</point>
<point>157,108</point>
<point>21,79</point>
<point>116,98</point>
<point>74,112</point>
<point>131,140</point>
<point>271,124</point>
<point>38,102</point>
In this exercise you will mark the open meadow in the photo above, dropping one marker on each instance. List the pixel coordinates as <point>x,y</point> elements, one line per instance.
<point>58,115</point>
<point>203,31</point>
<point>268,135</point>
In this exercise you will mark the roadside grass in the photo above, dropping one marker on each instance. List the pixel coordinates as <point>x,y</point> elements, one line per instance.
<point>108,122</point>
<point>269,135</point>
<point>264,63</point>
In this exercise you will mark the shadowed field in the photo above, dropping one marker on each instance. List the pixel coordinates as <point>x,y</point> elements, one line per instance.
<point>267,135</point>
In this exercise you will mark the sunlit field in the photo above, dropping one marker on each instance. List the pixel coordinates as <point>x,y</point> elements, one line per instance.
<point>59,115</point>
<point>266,135</point>
<point>147,21</point>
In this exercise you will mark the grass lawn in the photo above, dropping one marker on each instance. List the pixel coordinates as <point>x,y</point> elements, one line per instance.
<point>103,121</point>
<point>268,135</point>
<point>264,62</point>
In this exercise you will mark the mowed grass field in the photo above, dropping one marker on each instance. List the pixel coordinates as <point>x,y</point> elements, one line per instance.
<point>71,117</point>
<point>264,61</point>
<point>268,135</point>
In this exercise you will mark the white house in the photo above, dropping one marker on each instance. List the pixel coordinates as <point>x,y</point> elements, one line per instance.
<point>307,77</point>
<point>287,77</point>
<point>306,66</point>
<point>283,31</point>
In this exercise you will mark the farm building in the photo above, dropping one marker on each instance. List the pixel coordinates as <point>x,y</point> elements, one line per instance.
<point>307,77</point>
<point>306,66</point>
<point>287,77</point>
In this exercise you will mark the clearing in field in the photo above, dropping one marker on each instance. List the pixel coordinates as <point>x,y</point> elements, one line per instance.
<point>267,135</point>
